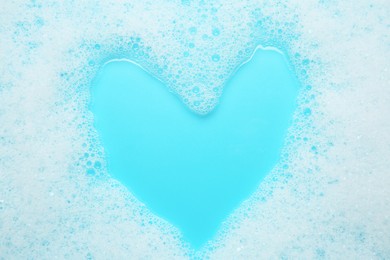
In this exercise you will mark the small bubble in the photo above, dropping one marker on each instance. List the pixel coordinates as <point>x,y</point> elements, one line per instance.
<point>195,90</point>
<point>97,46</point>
<point>186,54</point>
<point>216,57</point>
<point>90,171</point>
<point>39,21</point>
<point>89,256</point>
<point>216,32</point>
<point>305,62</point>
<point>193,30</point>
<point>191,45</point>
<point>307,112</point>
<point>196,103</point>
<point>97,165</point>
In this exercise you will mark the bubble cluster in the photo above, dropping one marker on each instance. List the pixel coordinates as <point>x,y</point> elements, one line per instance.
<point>327,198</point>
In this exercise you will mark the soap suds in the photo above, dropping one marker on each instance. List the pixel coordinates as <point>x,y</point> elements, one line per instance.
<point>327,198</point>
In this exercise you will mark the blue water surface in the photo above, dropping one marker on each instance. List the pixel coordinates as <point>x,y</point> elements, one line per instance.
<point>189,169</point>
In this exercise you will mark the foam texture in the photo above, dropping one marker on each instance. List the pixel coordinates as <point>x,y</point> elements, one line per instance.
<point>328,197</point>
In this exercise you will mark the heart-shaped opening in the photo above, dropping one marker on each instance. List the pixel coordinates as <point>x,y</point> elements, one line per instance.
<point>189,169</point>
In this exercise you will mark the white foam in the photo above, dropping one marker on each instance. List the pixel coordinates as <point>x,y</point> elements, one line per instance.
<point>327,198</point>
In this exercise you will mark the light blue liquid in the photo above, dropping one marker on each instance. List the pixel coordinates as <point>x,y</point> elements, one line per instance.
<point>189,169</point>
